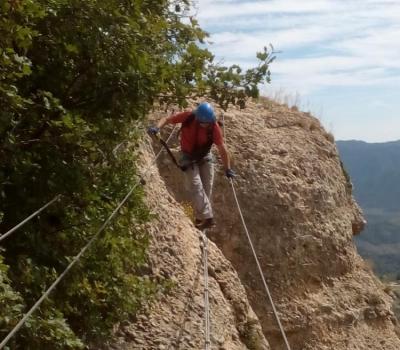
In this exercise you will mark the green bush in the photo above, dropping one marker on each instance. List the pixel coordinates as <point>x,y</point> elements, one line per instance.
<point>76,79</point>
<point>10,301</point>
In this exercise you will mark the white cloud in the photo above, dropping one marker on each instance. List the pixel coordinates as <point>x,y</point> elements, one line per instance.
<point>210,10</point>
<point>242,44</point>
<point>380,45</point>
<point>326,41</point>
<point>310,74</point>
<point>370,131</point>
<point>325,45</point>
<point>214,10</point>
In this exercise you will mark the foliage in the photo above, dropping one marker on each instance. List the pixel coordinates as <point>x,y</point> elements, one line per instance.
<point>228,85</point>
<point>10,301</point>
<point>50,332</point>
<point>76,80</point>
<point>251,335</point>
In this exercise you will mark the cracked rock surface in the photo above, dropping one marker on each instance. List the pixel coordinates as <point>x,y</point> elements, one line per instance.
<point>297,202</point>
<point>176,320</point>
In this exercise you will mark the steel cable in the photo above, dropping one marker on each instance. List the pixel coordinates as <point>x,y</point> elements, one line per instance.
<point>22,223</point>
<point>207,341</point>
<point>256,259</point>
<point>259,269</point>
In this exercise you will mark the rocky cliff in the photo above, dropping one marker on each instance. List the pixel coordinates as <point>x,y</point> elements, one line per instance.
<point>176,319</point>
<point>301,214</point>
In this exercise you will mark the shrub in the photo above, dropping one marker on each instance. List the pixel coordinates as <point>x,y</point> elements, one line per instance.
<point>76,79</point>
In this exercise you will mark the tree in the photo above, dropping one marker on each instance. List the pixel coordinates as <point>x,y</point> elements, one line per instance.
<point>77,78</point>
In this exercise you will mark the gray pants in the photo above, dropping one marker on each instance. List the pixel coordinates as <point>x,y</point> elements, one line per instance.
<point>199,178</point>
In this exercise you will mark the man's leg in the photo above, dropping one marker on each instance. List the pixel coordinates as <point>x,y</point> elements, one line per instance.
<point>201,203</point>
<point>206,169</point>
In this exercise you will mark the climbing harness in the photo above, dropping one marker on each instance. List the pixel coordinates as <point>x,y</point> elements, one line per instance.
<point>257,262</point>
<point>77,257</point>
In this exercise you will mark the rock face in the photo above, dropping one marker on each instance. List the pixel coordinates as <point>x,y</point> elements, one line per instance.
<point>302,217</point>
<point>176,320</point>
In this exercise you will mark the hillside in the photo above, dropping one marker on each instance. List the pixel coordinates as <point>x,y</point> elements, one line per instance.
<point>302,217</point>
<point>375,172</point>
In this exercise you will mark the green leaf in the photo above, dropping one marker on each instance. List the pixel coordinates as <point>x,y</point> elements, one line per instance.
<point>68,122</point>
<point>71,48</point>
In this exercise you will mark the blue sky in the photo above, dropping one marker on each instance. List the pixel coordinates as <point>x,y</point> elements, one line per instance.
<point>339,59</point>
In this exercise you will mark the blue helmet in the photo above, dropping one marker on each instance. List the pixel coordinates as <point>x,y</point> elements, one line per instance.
<point>205,113</point>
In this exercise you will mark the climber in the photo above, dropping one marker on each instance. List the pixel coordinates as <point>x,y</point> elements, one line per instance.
<point>199,132</point>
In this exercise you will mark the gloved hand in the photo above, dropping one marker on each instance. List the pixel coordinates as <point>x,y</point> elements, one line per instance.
<point>153,130</point>
<point>229,173</point>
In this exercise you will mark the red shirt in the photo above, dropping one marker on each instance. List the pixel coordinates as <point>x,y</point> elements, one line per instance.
<point>195,134</point>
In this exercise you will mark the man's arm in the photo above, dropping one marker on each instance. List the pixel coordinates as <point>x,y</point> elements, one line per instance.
<point>154,130</point>
<point>163,121</point>
<point>173,119</point>
<point>224,156</point>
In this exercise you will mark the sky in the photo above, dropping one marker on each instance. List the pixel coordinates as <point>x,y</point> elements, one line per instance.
<point>339,59</point>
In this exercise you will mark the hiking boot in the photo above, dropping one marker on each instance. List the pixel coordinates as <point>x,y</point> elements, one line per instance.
<point>207,223</point>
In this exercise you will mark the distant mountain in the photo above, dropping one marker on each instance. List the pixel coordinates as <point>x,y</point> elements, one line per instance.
<point>374,169</point>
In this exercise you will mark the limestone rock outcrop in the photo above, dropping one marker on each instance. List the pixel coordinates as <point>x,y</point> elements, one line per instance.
<point>297,202</point>
<point>175,321</point>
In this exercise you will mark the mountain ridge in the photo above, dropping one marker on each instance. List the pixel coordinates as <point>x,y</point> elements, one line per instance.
<point>368,142</point>
<point>374,171</point>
